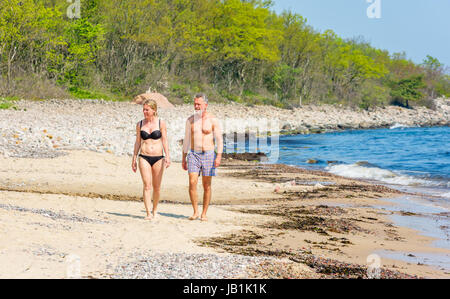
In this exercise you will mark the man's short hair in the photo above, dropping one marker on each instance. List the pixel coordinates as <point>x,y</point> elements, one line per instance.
<point>201,95</point>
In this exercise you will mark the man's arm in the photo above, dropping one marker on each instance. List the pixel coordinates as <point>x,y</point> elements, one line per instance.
<point>217,130</point>
<point>186,143</point>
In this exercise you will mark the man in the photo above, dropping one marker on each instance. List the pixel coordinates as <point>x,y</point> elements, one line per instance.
<point>203,132</point>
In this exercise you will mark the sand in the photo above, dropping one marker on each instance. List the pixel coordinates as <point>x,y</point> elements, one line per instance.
<point>88,205</point>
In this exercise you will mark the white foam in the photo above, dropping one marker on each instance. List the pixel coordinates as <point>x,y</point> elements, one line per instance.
<point>374,173</point>
<point>398,126</point>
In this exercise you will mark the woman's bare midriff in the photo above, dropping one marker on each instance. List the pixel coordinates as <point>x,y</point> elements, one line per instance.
<point>151,147</point>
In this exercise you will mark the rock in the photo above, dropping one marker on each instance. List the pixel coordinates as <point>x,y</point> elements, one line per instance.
<point>312,161</point>
<point>245,156</point>
<point>318,186</point>
<point>160,100</point>
<point>286,127</point>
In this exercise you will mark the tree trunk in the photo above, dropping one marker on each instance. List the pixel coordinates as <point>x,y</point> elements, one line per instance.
<point>10,60</point>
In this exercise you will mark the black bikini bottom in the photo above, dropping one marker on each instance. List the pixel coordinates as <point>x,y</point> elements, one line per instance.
<point>151,159</point>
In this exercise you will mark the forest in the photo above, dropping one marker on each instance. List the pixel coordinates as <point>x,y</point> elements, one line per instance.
<point>233,50</point>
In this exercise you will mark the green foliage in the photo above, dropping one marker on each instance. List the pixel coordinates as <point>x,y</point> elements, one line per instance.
<point>443,86</point>
<point>283,80</point>
<point>232,97</point>
<point>182,91</point>
<point>235,50</point>
<point>8,102</point>
<point>406,90</point>
<point>373,95</point>
<point>432,63</point>
<point>79,93</point>
<point>82,44</point>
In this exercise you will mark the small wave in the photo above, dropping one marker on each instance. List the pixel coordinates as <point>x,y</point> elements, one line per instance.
<point>357,171</point>
<point>365,164</point>
<point>398,126</point>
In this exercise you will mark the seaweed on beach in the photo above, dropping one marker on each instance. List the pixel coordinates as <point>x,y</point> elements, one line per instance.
<point>244,238</point>
<point>340,190</point>
<point>280,173</point>
<point>244,156</point>
<point>336,269</point>
<point>319,219</point>
<point>116,197</point>
<point>325,268</point>
<point>320,225</point>
<point>297,210</point>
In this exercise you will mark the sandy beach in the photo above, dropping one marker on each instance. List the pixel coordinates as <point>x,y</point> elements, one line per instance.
<point>85,209</point>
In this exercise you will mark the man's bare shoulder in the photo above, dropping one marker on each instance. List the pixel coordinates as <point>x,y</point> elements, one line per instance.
<point>190,118</point>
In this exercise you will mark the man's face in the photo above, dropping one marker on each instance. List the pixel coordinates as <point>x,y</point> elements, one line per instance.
<point>199,104</point>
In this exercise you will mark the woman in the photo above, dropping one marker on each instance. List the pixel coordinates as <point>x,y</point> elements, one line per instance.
<point>151,140</point>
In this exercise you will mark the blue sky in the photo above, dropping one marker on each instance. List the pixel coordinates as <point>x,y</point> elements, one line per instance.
<point>417,27</point>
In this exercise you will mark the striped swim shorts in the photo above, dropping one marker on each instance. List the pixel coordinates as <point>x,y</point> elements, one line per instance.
<point>201,162</point>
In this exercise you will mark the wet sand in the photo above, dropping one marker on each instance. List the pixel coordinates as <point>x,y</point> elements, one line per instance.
<point>89,205</point>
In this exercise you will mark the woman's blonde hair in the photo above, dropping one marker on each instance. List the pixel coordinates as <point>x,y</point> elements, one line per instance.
<point>152,105</point>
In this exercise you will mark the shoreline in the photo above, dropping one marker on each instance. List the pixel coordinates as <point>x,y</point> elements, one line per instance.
<point>295,132</point>
<point>302,227</point>
<point>65,185</point>
<point>109,127</point>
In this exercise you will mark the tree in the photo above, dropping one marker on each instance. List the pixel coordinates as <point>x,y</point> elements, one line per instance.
<point>347,66</point>
<point>406,90</point>
<point>433,70</point>
<point>26,33</point>
<point>239,38</point>
<point>300,56</point>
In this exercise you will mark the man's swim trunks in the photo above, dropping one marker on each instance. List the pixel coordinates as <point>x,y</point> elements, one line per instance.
<point>201,162</point>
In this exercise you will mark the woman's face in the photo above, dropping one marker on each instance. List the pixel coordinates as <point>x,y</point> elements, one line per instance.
<point>148,111</point>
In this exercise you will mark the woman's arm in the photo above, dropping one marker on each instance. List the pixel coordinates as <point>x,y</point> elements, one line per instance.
<point>137,147</point>
<point>165,142</point>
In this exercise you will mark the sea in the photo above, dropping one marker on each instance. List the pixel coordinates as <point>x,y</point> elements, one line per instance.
<point>411,159</point>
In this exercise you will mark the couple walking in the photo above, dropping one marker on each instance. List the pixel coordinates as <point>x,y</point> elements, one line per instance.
<point>202,133</point>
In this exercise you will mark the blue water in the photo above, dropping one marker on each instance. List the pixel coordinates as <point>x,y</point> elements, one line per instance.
<point>409,159</point>
<point>419,152</point>
<point>417,158</point>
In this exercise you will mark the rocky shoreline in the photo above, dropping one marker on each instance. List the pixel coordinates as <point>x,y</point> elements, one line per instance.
<point>46,128</point>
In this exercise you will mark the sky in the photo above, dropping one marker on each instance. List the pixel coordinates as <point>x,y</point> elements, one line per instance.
<point>416,27</point>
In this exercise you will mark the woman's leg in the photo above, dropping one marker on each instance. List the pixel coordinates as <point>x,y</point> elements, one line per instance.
<point>157,174</point>
<point>146,174</point>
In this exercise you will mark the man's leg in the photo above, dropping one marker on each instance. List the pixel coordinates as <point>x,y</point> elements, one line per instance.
<point>206,182</point>
<point>193,180</point>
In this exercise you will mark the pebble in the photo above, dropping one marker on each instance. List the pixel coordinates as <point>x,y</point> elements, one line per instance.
<point>45,129</point>
<point>185,266</point>
<point>51,214</point>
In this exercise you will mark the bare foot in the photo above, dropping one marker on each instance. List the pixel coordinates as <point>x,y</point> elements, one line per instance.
<point>155,215</point>
<point>204,218</point>
<point>193,217</point>
<point>149,217</point>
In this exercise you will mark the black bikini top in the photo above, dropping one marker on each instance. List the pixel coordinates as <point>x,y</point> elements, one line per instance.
<point>153,135</point>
